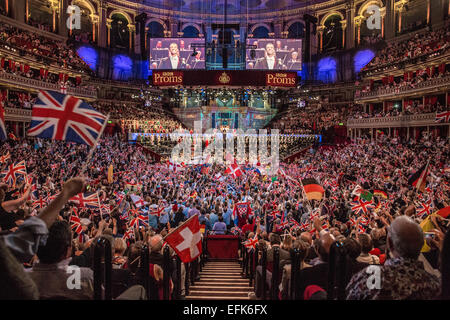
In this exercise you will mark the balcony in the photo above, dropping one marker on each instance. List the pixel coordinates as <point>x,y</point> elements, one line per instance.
<point>426,87</point>
<point>413,120</point>
<point>27,83</point>
<point>15,114</point>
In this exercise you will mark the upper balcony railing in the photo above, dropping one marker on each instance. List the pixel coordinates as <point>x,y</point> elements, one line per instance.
<point>412,120</point>
<point>435,83</point>
<point>28,83</point>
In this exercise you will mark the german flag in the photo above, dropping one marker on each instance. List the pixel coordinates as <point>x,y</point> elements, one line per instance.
<point>313,190</point>
<point>419,178</point>
<point>380,193</point>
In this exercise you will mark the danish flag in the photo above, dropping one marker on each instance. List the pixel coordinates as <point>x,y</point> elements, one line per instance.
<point>13,171</point>
<point>86,200</point>
<point>186,240</point>
<point>234,170</point>
<point>64,117</point>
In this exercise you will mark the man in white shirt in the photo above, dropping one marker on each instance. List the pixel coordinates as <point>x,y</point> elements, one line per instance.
<point>173,61</point>
<point>269,62</point>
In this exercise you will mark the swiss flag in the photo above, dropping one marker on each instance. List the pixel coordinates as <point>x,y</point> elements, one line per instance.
<point>186,240</point>
<point>234,170</point>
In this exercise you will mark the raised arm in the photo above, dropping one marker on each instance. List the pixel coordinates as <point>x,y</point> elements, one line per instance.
<point>70,189</point>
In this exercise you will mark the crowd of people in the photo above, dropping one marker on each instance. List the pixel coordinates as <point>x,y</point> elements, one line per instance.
<point>419,45</point>
<point>278,210</point>
<point>62,54</point>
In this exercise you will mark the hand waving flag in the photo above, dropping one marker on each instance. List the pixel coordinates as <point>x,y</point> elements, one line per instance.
<point>64,117</point>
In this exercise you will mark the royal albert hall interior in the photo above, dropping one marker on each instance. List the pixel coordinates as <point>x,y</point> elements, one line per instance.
<point>224,150</point>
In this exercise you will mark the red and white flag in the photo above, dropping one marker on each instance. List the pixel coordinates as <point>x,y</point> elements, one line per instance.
<point>186,240</point>
<point>234,170</point>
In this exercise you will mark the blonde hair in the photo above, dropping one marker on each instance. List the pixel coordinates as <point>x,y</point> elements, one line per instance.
<point>120,246</point>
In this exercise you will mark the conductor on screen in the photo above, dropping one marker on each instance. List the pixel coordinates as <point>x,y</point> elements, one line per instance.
<point>270,61</point>
<point>173,61</point>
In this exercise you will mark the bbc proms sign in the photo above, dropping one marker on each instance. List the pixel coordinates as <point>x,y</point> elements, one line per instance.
<point>167,78</point>
<point>230,78</point>
<point>281,79</point>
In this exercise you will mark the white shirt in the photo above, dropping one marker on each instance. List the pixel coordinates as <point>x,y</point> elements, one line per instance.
<point>270,62</point>
<point>174,61</point>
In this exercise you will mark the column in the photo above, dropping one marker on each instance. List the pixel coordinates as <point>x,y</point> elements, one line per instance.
<point>390,19</point>
<point>62,23</point>
<point>24,133</point>
<point>173,28</point>
<point>131,30</point>
<point>400,9</point>
<point>102,25</point>
<point>383,20</point>
<point>146,37</point>
<point>344,28</point>
<point>209,32</point>
<point>108,27</point>
<point>350,18</point>
<point>428,11</point>
<point>278,29</point>
<point>320,36</point>
<point>242,33</point>
<point>358,21</point>
<point>94,21</point>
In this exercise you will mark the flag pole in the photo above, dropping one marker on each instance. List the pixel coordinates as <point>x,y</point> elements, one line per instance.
<point>91,152</point>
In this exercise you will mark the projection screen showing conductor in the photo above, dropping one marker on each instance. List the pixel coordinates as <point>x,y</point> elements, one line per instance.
<point>177,53</point>
<point>274,54</point>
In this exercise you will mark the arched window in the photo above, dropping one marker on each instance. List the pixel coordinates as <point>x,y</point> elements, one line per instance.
<point>120,35</point>
<point>296,30</point>
<point>155,30</point>
<point>261,32</point>
<point>332,34</point>
<point>190,32</point>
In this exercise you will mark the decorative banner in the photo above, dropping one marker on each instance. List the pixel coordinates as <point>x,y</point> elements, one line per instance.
<point>281,79</point>
<point>231,78</point>
<point>167,78</point>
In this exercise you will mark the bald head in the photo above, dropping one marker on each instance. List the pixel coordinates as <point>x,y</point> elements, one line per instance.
<point>156,243</point>
<point>405,238</point>
<point>324,245</point>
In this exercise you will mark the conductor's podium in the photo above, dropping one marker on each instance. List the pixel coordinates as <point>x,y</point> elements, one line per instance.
<point>222,247</point>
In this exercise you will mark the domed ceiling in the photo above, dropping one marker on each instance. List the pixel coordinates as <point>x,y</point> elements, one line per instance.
<point>234,6</point>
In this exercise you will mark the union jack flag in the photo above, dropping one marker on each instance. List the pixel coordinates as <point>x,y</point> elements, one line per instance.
<point>157,212</point>
<point>5,158</point>
<point>75,222</point>
<point>250,244</point>
<point>129,234</point>
<point>442,116</point>
<point>64,117</point>
<point>13,172</point>
<point>359,206</point>
<point>86,200</point>
<point>305,225</point>
<point>424,209</point>
<point>39,203</point>
<point>119,197</point>
<point>3,135</point>
<point>139,220</point>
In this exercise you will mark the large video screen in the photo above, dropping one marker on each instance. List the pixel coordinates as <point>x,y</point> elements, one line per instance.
<point>176,53</point>
<point>274,54</point>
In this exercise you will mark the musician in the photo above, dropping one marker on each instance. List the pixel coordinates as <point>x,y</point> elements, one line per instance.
<point>270,61</point>
<point>173,61</point>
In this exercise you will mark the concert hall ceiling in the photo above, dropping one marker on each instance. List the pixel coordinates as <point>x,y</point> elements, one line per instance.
<point>234,6</point>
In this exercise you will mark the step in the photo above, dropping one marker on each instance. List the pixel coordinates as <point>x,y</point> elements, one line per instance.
<point>233,289</point>
<point>207,297</point>
<point>221,271</point>
<point>234,283</point>
<point>218,293</point>
<point>219,281</point>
